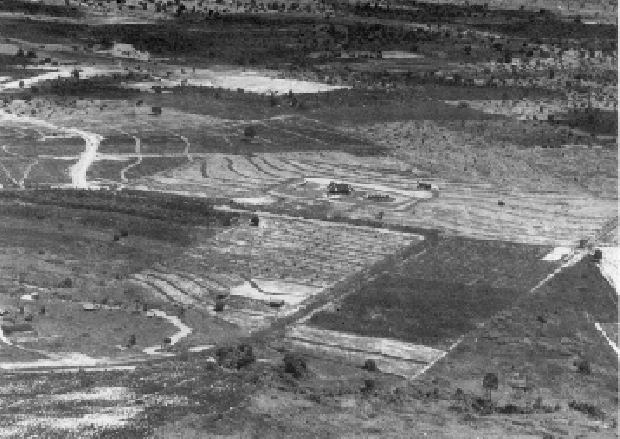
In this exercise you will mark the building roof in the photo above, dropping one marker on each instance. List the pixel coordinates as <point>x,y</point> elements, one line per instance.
<point>339,187</point>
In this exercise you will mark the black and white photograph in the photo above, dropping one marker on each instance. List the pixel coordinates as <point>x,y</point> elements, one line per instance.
<point>248,219</point>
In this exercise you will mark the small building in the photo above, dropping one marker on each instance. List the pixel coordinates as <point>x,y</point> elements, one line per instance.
<point>334,188</point>
<point>89,307</point>
<point>379,197</point>
<point>424,186</point>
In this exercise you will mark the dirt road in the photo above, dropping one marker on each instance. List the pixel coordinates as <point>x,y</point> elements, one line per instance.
<point>79,170</point>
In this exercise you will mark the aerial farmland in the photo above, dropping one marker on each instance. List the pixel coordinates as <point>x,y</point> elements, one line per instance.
<point>327,220</point>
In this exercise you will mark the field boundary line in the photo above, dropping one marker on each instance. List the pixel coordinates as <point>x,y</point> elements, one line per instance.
<point>446,352</point>
<point>572,261</point>
<point>610,341</point>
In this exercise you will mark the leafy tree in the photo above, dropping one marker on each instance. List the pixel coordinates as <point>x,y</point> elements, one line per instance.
<point>490,382</point>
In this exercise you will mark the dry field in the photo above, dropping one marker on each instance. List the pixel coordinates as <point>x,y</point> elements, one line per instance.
<point>284,260</point>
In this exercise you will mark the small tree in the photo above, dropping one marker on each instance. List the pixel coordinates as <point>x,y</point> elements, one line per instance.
<point>490,383</point>
<point>370,365</point>
<point>295,365</point>
<point>249,132</point>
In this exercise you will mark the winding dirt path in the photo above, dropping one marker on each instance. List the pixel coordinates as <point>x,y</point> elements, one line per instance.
<point>79,170</point>
<point>136,163</point>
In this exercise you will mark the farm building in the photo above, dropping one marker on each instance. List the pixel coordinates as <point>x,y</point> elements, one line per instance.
<point>339,188</point>
<point>425,186</point>
<point>379,197</point>
<point>89,307</point>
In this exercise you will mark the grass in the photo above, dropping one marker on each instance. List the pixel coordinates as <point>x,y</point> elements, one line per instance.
<point>153,165</point>
<point>117,144</point>
<point>540,337</point>
<point>440,295</point>
<point>161,144</point>
<point>107,169</point>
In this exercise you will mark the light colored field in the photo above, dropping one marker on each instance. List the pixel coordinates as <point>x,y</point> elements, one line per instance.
<point>391,356</point>
<point>610,266</point>
<point>288,259</point>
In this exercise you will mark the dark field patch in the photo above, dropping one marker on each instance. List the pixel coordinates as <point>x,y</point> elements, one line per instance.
<point>107,169</point>
<point>397,111</point>
<point>161,144</point>
<point>61,146</point>
<point>50,171</point>
<point>201,143</point>
<point>117,144</point>
<point>153,165</point>
<point>441,294</point>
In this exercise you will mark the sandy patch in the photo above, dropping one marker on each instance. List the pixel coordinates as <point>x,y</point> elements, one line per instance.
<point>557,254</point>
<point>96,393</point>
<point>610,265</point>
<point>71,359</point>
<point>290,293</point>
<point>254,200</point>
<point>201,348</point>
<point>183,332</point>
<point>106,417</point>
<point>400,54</point>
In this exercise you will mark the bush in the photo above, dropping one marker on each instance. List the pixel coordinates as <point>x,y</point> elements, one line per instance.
<point>583,367</point>
<point>369,385</point>
<point>235,357</point>
<point>586,408</point>
<point>249,132</point>
<point>370,365</point>
<point>67,283</point>
<point>219,306</point>
<point>295,365</point>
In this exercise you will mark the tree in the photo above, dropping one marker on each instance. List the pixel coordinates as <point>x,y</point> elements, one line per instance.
<point>295,365</point>
<point>132,340</point>
<point>249,132</point>
<point>490,383</point>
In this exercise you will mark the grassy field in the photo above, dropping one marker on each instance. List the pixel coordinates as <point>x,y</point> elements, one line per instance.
<point>540,337</point>
<point>434,298</point>
<point>115,144</point>
<point>152,165</point>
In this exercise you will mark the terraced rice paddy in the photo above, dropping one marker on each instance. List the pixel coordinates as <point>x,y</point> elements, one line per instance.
<point>282,260</point>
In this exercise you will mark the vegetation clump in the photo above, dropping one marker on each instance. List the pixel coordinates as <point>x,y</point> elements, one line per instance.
<point>235,357</point>
<point>295,365</point>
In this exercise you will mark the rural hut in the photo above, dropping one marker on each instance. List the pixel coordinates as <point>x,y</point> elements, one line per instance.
<point>334,188</point>
<point>425,186</point>
<point>89,306</point>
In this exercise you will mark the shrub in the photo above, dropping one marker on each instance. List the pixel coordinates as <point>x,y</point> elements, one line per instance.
<point>235,357</point>
<point>371,365</point>
<point>67,283</point>
<point>586,408</point>
<point>369,385</point>
<point>295,365</point>
<point>132,340</point>
<point>219,306</point>
<point>583,367</point>
<point>249,132</point>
